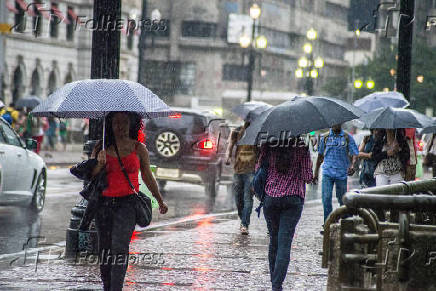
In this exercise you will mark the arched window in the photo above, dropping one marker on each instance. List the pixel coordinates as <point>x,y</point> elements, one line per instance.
<point>17,84</point>
<point>52,82</point>
<point>36,83</point>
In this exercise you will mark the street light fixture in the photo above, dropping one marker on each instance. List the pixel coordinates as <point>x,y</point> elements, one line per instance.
<point>311,34</point>
<point>308,66</point>
<point>307,48</point>
<point>420,79</point>
<point>261,42</point>
<point>252,43</point>
<point>370,84</point>
<point>358,84</point>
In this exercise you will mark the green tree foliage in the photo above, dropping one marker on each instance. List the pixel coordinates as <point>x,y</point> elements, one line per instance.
<point>379,69</point>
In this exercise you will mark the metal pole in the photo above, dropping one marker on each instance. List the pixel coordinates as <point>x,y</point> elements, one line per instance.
<point>309,79</point>
<point>2,47</point>
<point>251,63</point>
<point>104,64</point>
<point>142,45</point>
<point>405,41</point>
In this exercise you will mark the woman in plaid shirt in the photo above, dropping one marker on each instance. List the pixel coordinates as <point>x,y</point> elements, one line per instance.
<point>290,168</point>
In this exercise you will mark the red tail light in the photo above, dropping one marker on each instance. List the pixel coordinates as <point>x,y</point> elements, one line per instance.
<point>206,144</point>
<point>420,145</point>
<point>176,115</point>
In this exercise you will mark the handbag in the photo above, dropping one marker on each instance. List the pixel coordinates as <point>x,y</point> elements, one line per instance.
<point>259,182</point>
<point>143,204</point>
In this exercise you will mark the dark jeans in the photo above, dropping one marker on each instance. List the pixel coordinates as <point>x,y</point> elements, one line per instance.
<point>327,192</point>
<point>282,215</point>
<point>243,196</point>
<point>115,221</point>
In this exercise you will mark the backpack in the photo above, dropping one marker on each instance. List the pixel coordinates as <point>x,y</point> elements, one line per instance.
<point>7,116</point>
<point>259,181</point>
<point>347,142</point>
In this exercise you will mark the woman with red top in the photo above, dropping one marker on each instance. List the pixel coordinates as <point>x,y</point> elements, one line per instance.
<point>116,218</point>
<point>290,168</point>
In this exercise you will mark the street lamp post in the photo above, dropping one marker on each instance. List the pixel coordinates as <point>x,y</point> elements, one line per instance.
<point>309,67</point>
<point>253,42</point>
<point>105,59</point>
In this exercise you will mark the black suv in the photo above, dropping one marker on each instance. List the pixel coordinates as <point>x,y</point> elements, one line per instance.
<point>189,146</point>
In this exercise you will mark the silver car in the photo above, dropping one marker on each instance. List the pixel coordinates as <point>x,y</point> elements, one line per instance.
<point>23,174</point>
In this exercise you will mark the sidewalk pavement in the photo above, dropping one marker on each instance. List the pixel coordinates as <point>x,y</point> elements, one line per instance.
<point>207,254</point>
<point>72,155</point>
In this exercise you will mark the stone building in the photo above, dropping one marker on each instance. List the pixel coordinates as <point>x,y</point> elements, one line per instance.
<point>192,63</point>
<point>50,45</point>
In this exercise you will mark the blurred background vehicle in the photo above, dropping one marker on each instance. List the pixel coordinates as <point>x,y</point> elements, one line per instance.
<point>23,174</point>
<point>189,146</point>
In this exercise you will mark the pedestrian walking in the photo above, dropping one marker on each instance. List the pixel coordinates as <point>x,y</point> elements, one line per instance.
<point>289,169</point>
<point>52,133</point>
<point>334,152</point>
<point>430,152</point>
<point>410,171</point>
<point>391,153</point>
<point>115,219</point>
<point>244,163</point>
<point>63,132</point>
<point>366,178</point>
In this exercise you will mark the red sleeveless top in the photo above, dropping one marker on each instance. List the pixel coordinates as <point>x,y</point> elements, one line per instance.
<point>118,186</point>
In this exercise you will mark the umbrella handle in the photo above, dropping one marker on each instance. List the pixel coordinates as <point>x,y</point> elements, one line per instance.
<point>104,130</point>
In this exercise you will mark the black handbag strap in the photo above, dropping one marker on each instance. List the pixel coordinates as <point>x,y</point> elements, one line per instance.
<point>123,169</point>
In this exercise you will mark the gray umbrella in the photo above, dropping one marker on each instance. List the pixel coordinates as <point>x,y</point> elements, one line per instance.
<point>395,118</point>
<point>378,100</point>
<point>431,128</point>
<point>28,102</point>
<point>95,98</point>
<point>250,110</point>
<point>297,116</point>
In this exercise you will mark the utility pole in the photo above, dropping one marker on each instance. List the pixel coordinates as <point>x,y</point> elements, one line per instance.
<point>251,60</point>
<point>105,60</point>
<point>105,56</point>
<point>142,45</point>
<point>2,46</point>
<point>405,41</point>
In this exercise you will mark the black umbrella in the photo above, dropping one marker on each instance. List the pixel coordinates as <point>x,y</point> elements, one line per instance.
<point>392,118</point>
<point>28,102</point>
<point>297,116</point>
<point>250,110</point>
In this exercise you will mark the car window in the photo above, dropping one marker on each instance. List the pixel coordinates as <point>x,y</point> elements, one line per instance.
<point>184,123</point>
<point>10,136</point>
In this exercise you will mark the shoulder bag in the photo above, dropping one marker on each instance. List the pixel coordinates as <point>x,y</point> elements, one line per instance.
<point>143,204</point>
<point>259,181</point>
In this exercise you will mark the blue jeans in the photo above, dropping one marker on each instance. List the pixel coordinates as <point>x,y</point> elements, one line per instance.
<point>243,196</point>
<point>282,215</point>
<point>327,190</point>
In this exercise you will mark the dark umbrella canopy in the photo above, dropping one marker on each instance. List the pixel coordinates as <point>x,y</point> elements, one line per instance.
<point>250,110</point>
<point>28,102</point>
<point>395,118</point>
<point>297,116</point>
<point>431,128</point>
<point>378,100</point>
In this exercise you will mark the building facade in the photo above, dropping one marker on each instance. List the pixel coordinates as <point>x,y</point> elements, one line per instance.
<point>192,62</point>
<point>50,45</point>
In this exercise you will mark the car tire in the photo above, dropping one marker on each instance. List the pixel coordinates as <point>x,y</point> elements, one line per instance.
<point>38,199</point>
<point>168,144</point>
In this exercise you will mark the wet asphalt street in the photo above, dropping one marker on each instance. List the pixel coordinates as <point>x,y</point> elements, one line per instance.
<point>18,225</point>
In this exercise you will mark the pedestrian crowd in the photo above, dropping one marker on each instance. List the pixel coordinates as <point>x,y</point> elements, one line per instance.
<point>49,133</point>
<point>387,156</point>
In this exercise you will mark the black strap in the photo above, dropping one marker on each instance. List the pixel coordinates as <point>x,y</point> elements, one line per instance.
<point>123,169</point>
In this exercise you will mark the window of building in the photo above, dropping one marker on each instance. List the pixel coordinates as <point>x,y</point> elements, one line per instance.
<point>308,5</point>
<point>70,24</point>
<point>130,37</point>
<point>235,73</point>
<point>198,29</point>
<point>186,79</point>
<point>20,18</point>
<point>36,21</point>
<point>276,38</point>
<point>54,27</point>
<point>335,12</point>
